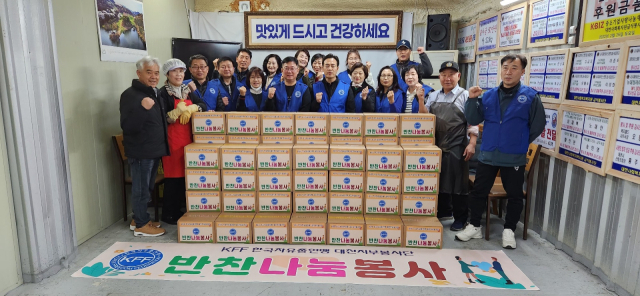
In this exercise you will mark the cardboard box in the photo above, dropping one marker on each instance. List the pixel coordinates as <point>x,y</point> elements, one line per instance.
<point>210,139</point>
<point>203,201</point>
<point>202,156</point>
<point>277,123</point>
<point>208,123</point>
<point>422,232</point>
<point>237,180</point>
<point>381,125</point>
<point>422,159</point>
<point>271,228</point>
<point>308,228</point>
<point>311,157</point>
<point>346,181</point>
<point>239,201</point>
<point>384,158</point>
<point>384,182</point>
<point>312,124</point>
<point>243,123</point>
<point>269,139</point>
<point>346,124</point>
<point>377,203</point>
<point>244,139</point>
<point>274,157</point>
<point>346,140</point>
<point>345,229</point>
<point>419,204</point>
<point>274,181</point>
<point>310,202</point>
<point>381,141</point>
<point>202,179</point>
<point>197,228</point>
<point>310,181</point>
<point>383,230</point>
<point>423,183</point>
<point>312,140</point>
<point>274,202</point>
<point>347,157</point>
<point>238,156</point>
<point>234,228</point>
<point>419,142</point>
<point>345,202</point>
<point>417,125</point>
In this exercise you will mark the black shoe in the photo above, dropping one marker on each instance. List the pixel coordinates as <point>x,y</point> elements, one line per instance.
<point>509,283</point>
<point>169,220</point>
<point>480,281</point>
<point>471,281</point>
<point>457,226</point>
<point>445,217</point>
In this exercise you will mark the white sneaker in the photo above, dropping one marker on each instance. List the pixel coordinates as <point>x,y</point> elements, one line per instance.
<point>508,239</point>
<point>469,232</point>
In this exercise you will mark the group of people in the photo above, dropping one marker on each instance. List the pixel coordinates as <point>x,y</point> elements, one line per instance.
<point>155,122</point>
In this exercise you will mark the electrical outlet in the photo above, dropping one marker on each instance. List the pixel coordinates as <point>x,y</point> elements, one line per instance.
<point>571,40</point>
<point>572,30</point>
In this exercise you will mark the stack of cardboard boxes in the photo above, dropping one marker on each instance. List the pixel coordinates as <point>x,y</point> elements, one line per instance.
<point>313,178</point>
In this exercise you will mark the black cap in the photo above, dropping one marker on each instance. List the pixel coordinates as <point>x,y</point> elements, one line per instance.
<point>449,65</point>
<point>403,42</point>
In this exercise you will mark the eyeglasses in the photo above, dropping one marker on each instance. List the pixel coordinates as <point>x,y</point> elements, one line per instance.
<point>287,69</point>
<point>200,68</point>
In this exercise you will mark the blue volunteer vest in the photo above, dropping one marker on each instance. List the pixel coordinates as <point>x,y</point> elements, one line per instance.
<point>358,98</point>
<point>382,102</point>
<point>233,98</point>
<point>250,102</point>
<point>403,86</point>
<point>344,76</point>
<point>276,80</point>
<point>210,97</point>
<point>508,133</point>
<point>338,100</point>
<point>282,101</point>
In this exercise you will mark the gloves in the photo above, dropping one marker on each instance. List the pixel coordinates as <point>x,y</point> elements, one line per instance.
<point>182,106</point>
<point>174,114</point>
<point>186,115</point>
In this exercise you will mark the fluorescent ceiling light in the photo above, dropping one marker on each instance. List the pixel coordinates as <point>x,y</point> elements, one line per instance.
<point>507,2</point>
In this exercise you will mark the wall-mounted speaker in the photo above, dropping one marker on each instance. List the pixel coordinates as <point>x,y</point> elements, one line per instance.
<point>438,32</point>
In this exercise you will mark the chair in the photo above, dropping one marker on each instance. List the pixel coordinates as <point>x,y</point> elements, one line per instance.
<point>498,194</point>
<point>126,179</point>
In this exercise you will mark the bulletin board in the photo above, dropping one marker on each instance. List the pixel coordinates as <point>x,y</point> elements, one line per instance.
<point>545,74</point>
<point>511,23</point>
<point>488,74</point>
<point>630,80</point>
<point>624,154</point>
<point>488,34</point>
<point>547,140</point>
<point>584,139</point>
<point>606,22</point>
<point>548,22</point>
<point>467,43</point>
<point>592,75</point>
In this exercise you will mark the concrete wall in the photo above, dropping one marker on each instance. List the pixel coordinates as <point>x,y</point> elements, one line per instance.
<point>91,91</point>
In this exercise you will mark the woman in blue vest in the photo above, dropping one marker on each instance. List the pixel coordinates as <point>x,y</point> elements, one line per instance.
<point>289,95</point>
<point>362,91</point>
<point>353,57</point>
<point>316,65</point>
<point>228,97</point>
<point>272,67</point>
<point>252,100</point>
<point>206,90</point>
<point>387,90</point>
<point>331,94</point>
<point>412,100</point>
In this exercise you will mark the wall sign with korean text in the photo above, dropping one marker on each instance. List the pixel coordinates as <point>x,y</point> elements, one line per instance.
<point>605,22</point>
<point>488,73</point>
<point>323,30</point>
<point>548,137</point>
<point>545,74</point>
<point>512,27</point>
<point>548,22</point>
<point>624,155</point>
<point>591,76</point>
<point>488,34</point>
<point>584,137</point>
<point>466,42</point>
<point>631,78</point>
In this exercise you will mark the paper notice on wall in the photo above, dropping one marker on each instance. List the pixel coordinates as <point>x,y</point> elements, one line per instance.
<point>631,91</point>
<point>511,26</point>
<point>487,35</point>
<point>548,137</point>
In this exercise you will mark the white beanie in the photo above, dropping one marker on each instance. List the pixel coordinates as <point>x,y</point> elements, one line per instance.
<point>172,64</point>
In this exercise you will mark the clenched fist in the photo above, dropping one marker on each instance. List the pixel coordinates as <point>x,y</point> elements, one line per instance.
<point>272,92</point>
<point>225,101</point>
<point>319,97</point>
<point>365,92</point>
<point>215,64</point>
<point>420,50</point>
<point>192,86</point>
<point>368,65</point>
<point>148,103</point>
<point>420,92</point>
<point>391,97</point>
<point>242,90</point>
<point>306,72</point>
<point>475,91</point>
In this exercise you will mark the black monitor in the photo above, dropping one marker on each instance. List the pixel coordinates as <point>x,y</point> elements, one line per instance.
<point>183,49</point>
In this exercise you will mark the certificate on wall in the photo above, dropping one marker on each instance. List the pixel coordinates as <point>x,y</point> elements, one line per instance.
<point>488,73</point>
<point>591,81</point>
<point>488,35</point>
<point>512,27</point>
<point>631,78</point>
<point>466,42</point>
<point>545,74</point>
<point>548,22</point>
<point>606,22</point>
<point>548,137</point>
<point>584,137</point>
<point>624,156</point>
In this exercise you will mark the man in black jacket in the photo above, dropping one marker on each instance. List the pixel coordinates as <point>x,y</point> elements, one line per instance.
<point>144,127</point>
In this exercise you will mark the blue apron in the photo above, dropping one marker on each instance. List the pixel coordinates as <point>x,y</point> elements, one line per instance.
<point>282,100</point>
<point>210,97</point>
<point>338,100</point>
